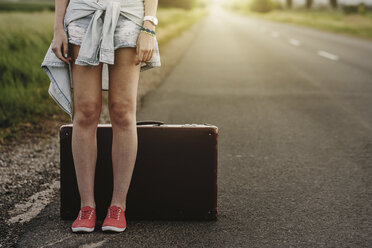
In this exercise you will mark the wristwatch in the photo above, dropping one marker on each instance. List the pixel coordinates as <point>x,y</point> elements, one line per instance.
<point>152,19</point>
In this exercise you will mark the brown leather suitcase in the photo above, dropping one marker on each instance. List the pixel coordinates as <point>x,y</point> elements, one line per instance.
<point>174,177</point>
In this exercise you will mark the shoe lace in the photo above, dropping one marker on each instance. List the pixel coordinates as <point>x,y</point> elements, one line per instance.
<point>86,214</point>
<point>115,212</point>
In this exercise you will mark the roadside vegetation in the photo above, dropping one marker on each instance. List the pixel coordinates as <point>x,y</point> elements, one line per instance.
<point>355,20</point>
<point>173,21</point>
<point>25,105</point>
<point>26,6</point>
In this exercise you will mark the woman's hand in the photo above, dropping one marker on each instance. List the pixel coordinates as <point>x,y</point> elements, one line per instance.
<point>60,45</point>
<point>145,46</point>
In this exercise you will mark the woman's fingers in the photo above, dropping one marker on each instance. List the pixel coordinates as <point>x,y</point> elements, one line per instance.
<point>137,61</point>
<point>57,49</point>
<point>140,55</point>
<point>144,48</point>
<point>151,52</point>
<point>147,54</point>
<point>65,50</point>
<point>60,45</point>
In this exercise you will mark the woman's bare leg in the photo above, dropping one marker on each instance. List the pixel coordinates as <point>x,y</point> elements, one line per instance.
<point>123,83</point>
<point>87,109</point>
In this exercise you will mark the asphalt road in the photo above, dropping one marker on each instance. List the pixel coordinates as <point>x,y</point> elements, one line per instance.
<point>293,107</point>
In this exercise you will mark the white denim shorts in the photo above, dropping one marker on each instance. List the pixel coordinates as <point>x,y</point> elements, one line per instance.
<point>126,31</point>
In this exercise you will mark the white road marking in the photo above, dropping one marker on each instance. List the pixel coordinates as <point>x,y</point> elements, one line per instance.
<point>56,242</point>
<point>28,209</point>
<point>275,34</point>
<point>328,55</point>
<point>93,245</point>
<point>294,42</point>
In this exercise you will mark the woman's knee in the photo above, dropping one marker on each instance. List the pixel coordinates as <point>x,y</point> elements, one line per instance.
<point>87,114</point>
<point>122,113</point>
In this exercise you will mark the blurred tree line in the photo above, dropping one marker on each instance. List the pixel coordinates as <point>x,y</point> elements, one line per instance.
<point>184,4</point>
<point>39,5</point>
<point>359,8</point>
<point>268,5</point>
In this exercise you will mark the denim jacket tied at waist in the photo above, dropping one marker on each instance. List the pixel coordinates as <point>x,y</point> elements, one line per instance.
<point>97,44</point>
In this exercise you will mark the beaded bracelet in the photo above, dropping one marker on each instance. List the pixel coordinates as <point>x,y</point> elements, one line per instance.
<point>148,31</point>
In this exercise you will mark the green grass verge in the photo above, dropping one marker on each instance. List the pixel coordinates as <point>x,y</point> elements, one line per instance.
<point>25,104</point>
<point>333,21</point>
<point>29,6</point>
<point>173,21</point>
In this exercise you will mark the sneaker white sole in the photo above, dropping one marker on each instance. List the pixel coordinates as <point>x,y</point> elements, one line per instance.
<point>82,229</point>
<point>112,228</point>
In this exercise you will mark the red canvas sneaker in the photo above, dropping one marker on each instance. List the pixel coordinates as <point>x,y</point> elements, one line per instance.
<point>86,220</point>
<point>115,220</point>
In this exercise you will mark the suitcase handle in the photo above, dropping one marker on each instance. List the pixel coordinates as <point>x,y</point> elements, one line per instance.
<point>149,122</point>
